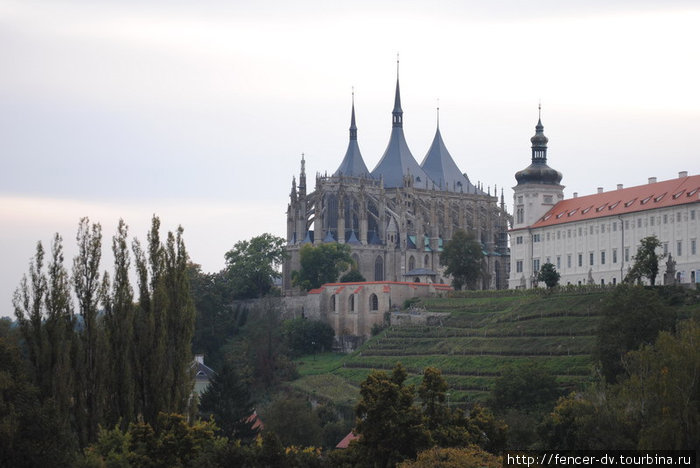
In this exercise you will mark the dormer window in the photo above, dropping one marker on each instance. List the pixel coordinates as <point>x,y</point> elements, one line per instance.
<point>678,194</point>
<point>629,203</point>
<point>643,202</point>
<point>612,207</point>
<point>660,197</point>
<point>587,210</point>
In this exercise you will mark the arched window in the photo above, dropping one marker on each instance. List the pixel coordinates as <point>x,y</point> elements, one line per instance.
<point>426,261</point>
<point>333,302</point>
<point>351,303</point>
<point>373,302</point>
<point>379,269</point>
<point>356,260</point>
<point>411,263</point>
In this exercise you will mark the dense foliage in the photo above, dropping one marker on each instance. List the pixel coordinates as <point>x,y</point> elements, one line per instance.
<point>549,275</point>
<point>463,258</point>
<point>321,264</point>
<point>646,262</point>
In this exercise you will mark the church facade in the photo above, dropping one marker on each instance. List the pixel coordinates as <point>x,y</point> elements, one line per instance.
<point>397,217</point>
<point>593,239</point>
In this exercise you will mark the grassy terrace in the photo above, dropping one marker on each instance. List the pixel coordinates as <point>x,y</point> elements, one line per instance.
<point>483,335</point>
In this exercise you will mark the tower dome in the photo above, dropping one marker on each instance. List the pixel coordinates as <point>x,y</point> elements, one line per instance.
<point>538,172</point>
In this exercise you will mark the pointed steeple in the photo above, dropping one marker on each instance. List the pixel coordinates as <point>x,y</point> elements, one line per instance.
<point>397,113</point>
<point>397,165</point>
<point>441,168</point>
<point>352,165</point>
<point>302,177</point>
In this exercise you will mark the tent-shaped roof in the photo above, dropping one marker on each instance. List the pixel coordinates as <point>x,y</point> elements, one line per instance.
<point>442,169</point>
<point>397,160</point>
<point>352,165</point>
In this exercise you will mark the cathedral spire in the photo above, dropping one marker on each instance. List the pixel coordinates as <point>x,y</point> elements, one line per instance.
<point>353,127</point>
<point>302,177</point>
<point>397,113</point>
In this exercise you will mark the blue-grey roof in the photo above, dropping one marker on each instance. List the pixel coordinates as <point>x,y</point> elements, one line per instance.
<point>421,271</point>
<point>353,165</point>
<point>352,240</point>
<point>442,169</point>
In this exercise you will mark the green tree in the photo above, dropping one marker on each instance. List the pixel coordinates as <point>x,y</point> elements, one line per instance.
<point>646,262</point>
<point>527,386</point>
<point>305,336</point>
<point>321,264</point>
<point>119,329</point>
<point>549,275</point>
<point>632,316</point>
<point>91,364</point>
<point>433,394</point>
<point>463,257</point>
<point>471,456</point>
<point>252,266</point>
<point>663,389</point>
<point>390,427</point>
<point>352,276</point>
<point>294,421</point>
<point>228,400</point>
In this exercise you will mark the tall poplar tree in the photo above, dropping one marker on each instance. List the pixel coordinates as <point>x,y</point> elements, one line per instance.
<point>119,329</point>
<point>86,283</point>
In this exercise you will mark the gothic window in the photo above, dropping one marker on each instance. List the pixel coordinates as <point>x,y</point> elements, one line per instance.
<point>373,302</point>
<point>356,260</point>
<point>351,303</point>
<point>379,269</point>
<point>426,261</point>
<point>333,302</point>
<point>411,263</point>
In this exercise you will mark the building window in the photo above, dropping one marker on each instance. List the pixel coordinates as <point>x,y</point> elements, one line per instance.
<point>558,263</point>
<point>678,217</point>
<point>651,221</point>
<point>411,263</point>
<point>614,255</point>
<point>558,234</point>
<point>333,302</point>
<point>519,216</point>
<point>590,230</point>
<point>519,266</point>
<point>679,248</point>
<point>535,237</point>
<point>426,261</point>
<point>693,247</point>
<point>665,219</point>
<point>639,222</point>
<point>602,228</point>
<point>692,215</point>
<point>614,281</point>
<point>519,240</point>
<point>627,254</point>
<point>379,269</point>
<point>547,236</point>
<point>580,232</point>
<point>665,248</point>
<point>627,224</point>
<point>602,281</point>
<point>568,261</point>
<point>590,258</point>
<point>614,226</point>
<point>602,257</point>
<point>580,260</point>
<point>351,303</point>
<point>373,302</point>
<point>568,233</point>
<point>536,265</point>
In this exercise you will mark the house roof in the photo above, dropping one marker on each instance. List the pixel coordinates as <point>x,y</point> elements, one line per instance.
<point>343,444</point>
<point>655,195</point>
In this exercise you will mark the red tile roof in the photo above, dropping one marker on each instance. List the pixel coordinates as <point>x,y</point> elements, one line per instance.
<point>343,444</point>
<point>651,196</point>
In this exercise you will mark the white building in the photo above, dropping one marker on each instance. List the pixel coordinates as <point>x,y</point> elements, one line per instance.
<point>593,239</point>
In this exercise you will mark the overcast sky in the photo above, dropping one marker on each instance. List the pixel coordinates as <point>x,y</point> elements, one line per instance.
<point>199,111</point>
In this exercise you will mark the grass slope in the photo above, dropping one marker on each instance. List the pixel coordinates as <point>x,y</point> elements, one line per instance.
<point>484,335</point>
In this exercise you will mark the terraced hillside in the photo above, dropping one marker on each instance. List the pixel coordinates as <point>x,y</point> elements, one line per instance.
<point>482,336</point>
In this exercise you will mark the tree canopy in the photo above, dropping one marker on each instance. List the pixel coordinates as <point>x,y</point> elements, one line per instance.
<point>251,266</point>
<point>321,264</point>
<point>549,275</point>
<point>463,257</point>
<point>646,262</point>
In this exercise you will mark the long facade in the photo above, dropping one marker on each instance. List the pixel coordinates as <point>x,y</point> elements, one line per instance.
<point>397,217</point>
<point>593,239</point>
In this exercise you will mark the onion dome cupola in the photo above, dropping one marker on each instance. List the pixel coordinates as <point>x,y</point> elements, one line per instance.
<point>352,165</point>
<point>397,163</point>
<point>538,172</point>
<point>442,169</point>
